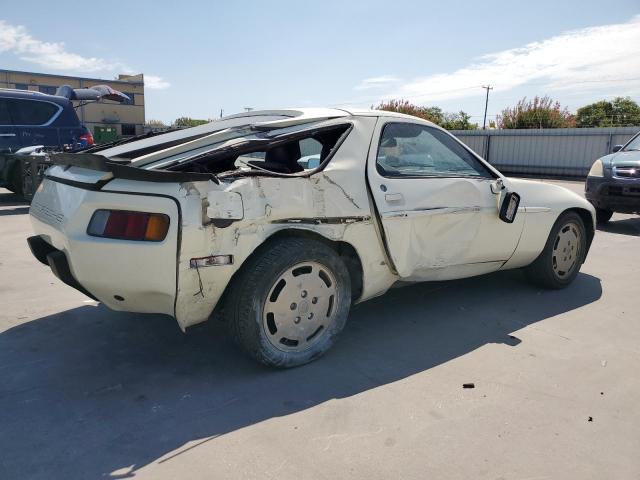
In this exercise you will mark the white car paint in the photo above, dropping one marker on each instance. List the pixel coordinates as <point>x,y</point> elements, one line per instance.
<point>419,229</point>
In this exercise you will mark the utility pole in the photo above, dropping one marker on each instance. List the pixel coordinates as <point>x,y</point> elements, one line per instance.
<point>486,104</point>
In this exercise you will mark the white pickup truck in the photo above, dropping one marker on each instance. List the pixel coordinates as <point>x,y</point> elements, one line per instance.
<point>231,219</point>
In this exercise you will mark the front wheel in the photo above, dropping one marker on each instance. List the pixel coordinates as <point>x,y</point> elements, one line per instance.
<point>289,302</point>
<point>559,263</point>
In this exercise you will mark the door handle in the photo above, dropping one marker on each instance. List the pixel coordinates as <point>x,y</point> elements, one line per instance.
<point>393,197</point>
<point>7,134</point>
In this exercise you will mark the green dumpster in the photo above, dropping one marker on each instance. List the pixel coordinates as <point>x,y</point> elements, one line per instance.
<point>104,134</point>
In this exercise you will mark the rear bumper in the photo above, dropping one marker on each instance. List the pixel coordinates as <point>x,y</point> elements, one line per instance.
<point>57,260</point>
<point>124,275</point>
<point>619,195</point>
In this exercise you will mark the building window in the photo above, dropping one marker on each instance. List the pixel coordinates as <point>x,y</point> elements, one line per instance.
<point>132,97</point>
<point>48,89</point>
<point>128,129</point>
<point>22,86</point>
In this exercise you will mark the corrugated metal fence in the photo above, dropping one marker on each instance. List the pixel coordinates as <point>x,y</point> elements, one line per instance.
<point>550,151</point>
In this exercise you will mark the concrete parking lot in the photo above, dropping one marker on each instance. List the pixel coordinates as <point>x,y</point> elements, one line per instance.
<point>89,393</point>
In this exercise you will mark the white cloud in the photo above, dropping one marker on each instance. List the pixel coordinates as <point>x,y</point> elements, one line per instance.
<point>595,58</point>
<point>54,55</point>
<point>17,40</point>
<point>377,82</point>
<point>155,83</point>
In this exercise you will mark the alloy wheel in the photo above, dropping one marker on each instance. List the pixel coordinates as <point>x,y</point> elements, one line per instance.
<point>566,250</point>
<point>300,307</point>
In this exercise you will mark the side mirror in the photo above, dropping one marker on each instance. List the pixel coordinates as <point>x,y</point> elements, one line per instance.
<point>617,148</point>
<point>509,207</point>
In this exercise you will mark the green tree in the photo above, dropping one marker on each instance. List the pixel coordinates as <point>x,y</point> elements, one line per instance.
<point>541,112</point>
<point>458,121</point>
<point>450,121</point>
<point>619,112</point>
<point>155,124</point>
<point>188,122</point>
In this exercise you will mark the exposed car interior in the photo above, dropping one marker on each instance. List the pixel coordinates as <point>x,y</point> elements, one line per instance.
<point>290,154</point>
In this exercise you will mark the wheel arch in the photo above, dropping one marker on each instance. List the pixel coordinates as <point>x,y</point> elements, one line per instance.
<point>345,250</point>
<point>587,219</point>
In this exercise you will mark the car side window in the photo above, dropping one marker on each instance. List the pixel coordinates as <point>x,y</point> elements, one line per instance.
<point>411,150</point>
<point>31,112</point>
<point>5,119</point>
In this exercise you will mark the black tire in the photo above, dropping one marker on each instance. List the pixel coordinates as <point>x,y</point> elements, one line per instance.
<point>542,271</point>
<point>603,216</point>
<point>255,286</point>
<point>16,185</point>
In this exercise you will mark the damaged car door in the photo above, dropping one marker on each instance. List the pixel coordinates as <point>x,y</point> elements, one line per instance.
<point>438,204</point>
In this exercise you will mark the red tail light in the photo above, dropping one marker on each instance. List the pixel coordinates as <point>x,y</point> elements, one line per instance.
<point>87,137</point>
<point>126,225</point>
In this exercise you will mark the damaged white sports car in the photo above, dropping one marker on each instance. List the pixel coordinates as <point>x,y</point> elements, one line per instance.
<point>277,221</point>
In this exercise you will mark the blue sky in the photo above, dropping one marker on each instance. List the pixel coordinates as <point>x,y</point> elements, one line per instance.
<point>200,56</point>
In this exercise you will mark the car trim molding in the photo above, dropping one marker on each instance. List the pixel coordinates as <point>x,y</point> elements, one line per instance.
<point>323,220</point>
<point>75,183</point>
<point>536,209</point>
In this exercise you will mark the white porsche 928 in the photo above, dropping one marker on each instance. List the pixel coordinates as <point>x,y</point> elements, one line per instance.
<point>277,221</point>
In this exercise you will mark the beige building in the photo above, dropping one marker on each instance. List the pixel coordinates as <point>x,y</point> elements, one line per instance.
<point>101,117</point>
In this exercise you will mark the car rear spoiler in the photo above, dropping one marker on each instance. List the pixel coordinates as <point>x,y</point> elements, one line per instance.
<point>95,93</point>
<point>122,169</point>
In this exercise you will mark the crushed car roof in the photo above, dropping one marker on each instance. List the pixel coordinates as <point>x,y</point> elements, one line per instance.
<point>147,150</point>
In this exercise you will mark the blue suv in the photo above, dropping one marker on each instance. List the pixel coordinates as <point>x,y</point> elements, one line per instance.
<point>32,118</point>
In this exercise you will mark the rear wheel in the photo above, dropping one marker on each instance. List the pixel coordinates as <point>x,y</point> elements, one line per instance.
<point>603,216</point>
<point>290,302</point>
<point>563,254</point>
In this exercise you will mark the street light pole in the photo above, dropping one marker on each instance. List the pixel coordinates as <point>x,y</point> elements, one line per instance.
<point>486,104</point>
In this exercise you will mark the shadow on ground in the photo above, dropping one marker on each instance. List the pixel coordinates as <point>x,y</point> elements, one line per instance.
<point>88,392</point>
<point>8,199</point>
<point>628,226</point>
<point>13,211</point>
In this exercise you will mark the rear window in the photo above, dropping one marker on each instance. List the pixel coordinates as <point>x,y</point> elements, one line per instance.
<point>31,112</point>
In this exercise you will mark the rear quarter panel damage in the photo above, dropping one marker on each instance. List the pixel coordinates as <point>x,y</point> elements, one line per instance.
<point>333,203</point>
